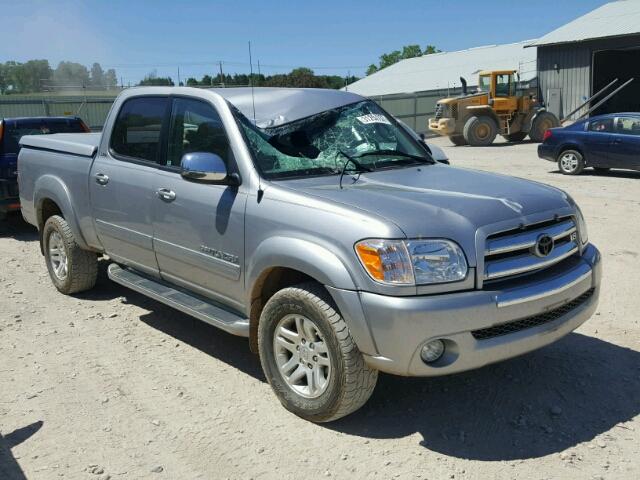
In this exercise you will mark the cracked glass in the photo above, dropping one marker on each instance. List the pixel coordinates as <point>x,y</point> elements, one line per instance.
<point>322,143</point>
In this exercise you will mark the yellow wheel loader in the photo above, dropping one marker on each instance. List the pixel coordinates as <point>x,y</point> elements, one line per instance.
<point>497,108</point>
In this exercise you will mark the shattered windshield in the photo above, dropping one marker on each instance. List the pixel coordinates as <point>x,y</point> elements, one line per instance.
<point>322,143</point>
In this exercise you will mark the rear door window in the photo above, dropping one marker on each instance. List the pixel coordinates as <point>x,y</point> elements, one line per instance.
<point>603,125</point>
<point>628,125</point>
<point>137,131</point>
<point>195,127</point>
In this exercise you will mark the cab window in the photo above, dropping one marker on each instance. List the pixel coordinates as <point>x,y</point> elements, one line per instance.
<point>137,129</point>
<point>504,85</point>
<point>195,126</point>
<point>603,125</point>
<point>485,83</point>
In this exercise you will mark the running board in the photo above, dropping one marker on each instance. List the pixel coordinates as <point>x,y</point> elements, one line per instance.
<point>195,306</point>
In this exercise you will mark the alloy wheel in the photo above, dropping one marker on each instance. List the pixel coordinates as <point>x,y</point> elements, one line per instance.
<point>302,355</point>
<point>58,256</point>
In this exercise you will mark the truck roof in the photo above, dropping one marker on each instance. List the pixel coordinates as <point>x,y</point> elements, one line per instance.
<point>277,106</point>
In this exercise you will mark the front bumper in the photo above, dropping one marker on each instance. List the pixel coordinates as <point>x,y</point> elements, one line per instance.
<point>400,326</point>
<point>547,152</point>
<point>442,126</point>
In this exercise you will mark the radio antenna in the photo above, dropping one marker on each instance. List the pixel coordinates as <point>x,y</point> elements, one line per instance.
<point>253,100</point>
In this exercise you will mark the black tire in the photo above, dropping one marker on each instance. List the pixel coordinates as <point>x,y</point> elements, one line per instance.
<point>349,383</point>
<point>81,266</point>
<point>602,170</point>
<point>541,123</point>
<point>458,140</point>
<point>570,162</point>
<point>480,131</point>
<point>515,137</point>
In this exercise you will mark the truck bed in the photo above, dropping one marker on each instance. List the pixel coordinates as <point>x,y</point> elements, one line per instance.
<point>82,144</point>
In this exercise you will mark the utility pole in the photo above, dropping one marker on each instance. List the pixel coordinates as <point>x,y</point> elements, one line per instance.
<point>221,74</point>
<point>178,76</point>
<point>258,69</point>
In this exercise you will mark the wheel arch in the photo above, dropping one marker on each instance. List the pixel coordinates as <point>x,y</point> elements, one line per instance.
<point>281,262</point>
<point>52,198</point>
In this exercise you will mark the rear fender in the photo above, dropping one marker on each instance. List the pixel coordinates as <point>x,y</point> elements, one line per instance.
<point>49,187</point>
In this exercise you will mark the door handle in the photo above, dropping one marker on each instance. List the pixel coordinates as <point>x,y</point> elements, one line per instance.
<point>166,194</point>
<point>102,179</point>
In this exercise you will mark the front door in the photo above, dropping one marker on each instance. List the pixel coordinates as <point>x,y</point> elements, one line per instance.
<point>598,140</point>
<point>199,227</point>
<point>121,183</point>
<point>625,148</point>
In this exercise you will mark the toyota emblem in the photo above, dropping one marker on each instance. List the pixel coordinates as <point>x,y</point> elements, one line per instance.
<point>544,245</point>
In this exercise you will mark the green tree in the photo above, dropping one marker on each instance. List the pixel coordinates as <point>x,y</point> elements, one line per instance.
<point>429,49</point>
<point>152,79</point>
<point>71,74</point>
<point>411,51</point>
<point>97,75</point>
<point>372,69</point>
<point>110,78</point>
<point>387,59</point>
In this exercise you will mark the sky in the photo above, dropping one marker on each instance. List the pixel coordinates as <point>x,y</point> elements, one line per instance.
<point>332,37</point>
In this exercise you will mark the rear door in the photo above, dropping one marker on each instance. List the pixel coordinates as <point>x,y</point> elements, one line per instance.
<point>598,141</point>
<point>625,148</point>
<point>198,227</point>
<point>121,182</point>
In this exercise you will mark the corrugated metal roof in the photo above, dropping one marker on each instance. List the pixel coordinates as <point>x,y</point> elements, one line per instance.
<point>610,20</point>
<point>443,70</point>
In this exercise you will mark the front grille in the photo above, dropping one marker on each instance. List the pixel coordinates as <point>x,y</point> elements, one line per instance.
<point>439,111</point>
<point>534,321</point>
<point>513,252</point>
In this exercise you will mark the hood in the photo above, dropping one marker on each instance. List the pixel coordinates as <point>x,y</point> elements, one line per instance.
<point>438,200</point>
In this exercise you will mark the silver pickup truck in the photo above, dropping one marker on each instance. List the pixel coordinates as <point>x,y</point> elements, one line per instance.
<point>312,223</point>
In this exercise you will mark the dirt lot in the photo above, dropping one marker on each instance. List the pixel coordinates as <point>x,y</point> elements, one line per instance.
<point>109,384</point>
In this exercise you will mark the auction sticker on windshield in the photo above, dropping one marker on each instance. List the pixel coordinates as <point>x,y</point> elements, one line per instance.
<point>373,118</point>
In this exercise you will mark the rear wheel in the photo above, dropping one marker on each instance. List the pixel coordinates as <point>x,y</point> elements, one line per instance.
<point>543,122</point>
<point>71,268</point>
<point>515,137</point>
<point>570,162</point>
<point>309,357</point>
<point>480,131</point>
<point>458,140</point>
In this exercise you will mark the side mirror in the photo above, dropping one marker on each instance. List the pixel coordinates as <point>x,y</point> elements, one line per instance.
<point>206,167</point>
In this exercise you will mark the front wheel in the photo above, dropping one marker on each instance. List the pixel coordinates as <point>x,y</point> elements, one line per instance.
<point>570,162</point>
<point>309,357</point>
<point>480,131</point>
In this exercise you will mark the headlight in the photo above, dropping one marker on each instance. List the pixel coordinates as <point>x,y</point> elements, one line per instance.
<point>412,262</point>
<point>582,226</point>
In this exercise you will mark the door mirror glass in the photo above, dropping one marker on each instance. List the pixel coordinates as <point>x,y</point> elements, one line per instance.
<point>204,167</point>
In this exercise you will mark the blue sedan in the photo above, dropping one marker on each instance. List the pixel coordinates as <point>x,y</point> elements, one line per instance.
<point>602,142</point>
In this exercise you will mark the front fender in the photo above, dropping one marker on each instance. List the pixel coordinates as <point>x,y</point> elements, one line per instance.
<point>301,255</point>
<point>323,266</point>
<point>49,187</point>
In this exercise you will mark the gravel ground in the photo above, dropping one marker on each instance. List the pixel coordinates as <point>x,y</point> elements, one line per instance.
<point>109,384</point>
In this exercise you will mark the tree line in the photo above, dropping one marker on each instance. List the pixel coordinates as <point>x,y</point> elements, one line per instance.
<point>37,75</point>
<point>298,77</point>
<point>408,51</point>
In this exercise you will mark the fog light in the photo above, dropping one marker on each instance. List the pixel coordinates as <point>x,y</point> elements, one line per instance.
<point>432,351</point>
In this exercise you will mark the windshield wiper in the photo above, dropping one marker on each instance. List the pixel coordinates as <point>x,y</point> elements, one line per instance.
<point>359,167</point>
<point>396,153</point>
